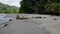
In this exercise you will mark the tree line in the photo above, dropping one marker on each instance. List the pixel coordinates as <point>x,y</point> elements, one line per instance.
<point>40,7</point>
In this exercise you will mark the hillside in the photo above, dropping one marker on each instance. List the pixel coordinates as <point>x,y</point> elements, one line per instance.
<point>4,8</point>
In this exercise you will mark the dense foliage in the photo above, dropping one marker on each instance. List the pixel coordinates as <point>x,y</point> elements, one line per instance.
<point>8,9</point>
<point>40,6</point>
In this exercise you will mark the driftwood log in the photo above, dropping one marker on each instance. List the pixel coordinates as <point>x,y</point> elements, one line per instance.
<point>19,18</point>
<point>38,17</point>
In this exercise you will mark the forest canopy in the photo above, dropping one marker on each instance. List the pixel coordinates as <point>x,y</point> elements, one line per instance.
<point>40,6</point>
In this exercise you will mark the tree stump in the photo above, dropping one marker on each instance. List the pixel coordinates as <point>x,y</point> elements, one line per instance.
<point>17,17</point>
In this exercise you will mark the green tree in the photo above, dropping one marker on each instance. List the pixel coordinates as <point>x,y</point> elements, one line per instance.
<point>53,7</point>
<point>33,6</point>
<point>40,6</point>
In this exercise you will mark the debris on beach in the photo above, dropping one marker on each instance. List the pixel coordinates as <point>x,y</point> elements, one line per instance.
<point>38,17</point>
<point>19,18</point>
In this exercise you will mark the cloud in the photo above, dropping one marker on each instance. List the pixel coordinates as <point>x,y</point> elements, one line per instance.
<point>11,2</point>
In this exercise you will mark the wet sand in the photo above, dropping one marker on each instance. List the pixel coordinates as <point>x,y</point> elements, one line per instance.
<point>32,26</point>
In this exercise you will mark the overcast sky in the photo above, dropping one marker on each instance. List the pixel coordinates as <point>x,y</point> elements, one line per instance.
<point>11,2</point>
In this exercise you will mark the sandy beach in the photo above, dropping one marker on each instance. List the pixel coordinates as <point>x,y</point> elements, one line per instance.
<point>33,26</point>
